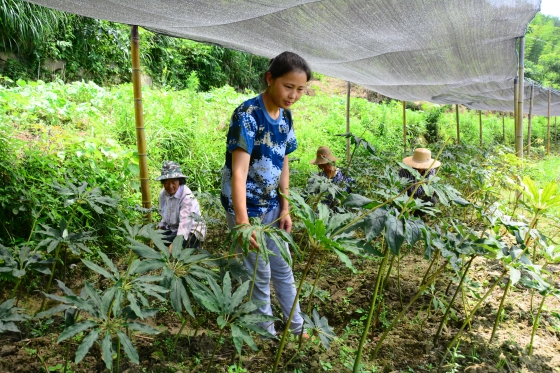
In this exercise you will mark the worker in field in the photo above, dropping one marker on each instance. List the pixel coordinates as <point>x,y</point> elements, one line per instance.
<point>421,160</point>
<point>326,162</point>
<point>180,211</point>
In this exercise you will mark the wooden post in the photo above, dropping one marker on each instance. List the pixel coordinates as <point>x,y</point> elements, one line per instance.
<point>555,131</point>
<point>404,124</point>
<point>480,126</point>
<point>139,117</point>
<point>348,121</point>
<point>530,119</point>
<point>457,119</point>
<point>504,127</point>
<point>520,97</point>
<point>548,124</point>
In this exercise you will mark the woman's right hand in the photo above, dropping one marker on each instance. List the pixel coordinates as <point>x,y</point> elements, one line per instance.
<point>253,246</point>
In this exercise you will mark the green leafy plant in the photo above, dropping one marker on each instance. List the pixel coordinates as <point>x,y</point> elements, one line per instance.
<point>232,312</point>
<point>23,261</point>
<point>106,319</point>
<point>9,315</point>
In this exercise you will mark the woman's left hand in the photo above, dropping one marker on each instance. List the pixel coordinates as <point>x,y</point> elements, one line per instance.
<point>285,221</point>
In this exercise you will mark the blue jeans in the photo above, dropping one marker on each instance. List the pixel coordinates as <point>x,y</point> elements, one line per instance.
<point>276,270</point>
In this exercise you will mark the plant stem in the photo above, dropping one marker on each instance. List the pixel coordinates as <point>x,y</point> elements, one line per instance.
<point>254,275</point>
<point>430,267</point>
<point>214,352</point>
<point>447,311</point>
<point>179,333</point>
<point>286,331</point>
<point>371,310</point>
<point>315,284</point>
<point>399,279</point>
<point>536,326</point>
<point>468,319</point>
<point>66,353</point>
<point>500,308</point>
<point>401,314</point>
<point>48,288</point>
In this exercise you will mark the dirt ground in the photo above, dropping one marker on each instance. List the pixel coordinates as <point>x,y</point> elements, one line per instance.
<point>408,348</point>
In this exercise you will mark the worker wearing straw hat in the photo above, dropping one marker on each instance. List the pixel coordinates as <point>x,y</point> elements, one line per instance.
<point>325,161</point>
<point>421,160</point>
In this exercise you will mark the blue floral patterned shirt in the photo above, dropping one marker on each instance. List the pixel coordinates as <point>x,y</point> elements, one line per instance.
<point>268,141</point>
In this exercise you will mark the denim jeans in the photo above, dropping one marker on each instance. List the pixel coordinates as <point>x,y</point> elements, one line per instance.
<point>281,275</point>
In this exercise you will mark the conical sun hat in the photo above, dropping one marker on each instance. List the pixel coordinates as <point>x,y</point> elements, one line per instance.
<point>324,155</point>
<point>421,159</point>
<point>170,170</point>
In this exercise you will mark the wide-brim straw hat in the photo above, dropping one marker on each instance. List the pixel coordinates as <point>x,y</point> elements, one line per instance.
<point>421,159</point>
<point>324,155</point>
<point>170,170</point>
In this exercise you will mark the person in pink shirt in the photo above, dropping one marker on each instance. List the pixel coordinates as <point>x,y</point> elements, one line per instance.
<point>179,209</point>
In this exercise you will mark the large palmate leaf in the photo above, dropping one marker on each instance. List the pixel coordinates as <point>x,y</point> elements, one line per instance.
<point>9,315</point>
<point>105,317</point>
<point>182,269</point>
<point>321,326</point>
<point>55,237</point>
<point>18,260</point>
<point>232,312</point>
<point>394,233</point>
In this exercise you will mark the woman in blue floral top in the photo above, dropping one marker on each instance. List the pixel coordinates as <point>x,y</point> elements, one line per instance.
<point>260,137</point>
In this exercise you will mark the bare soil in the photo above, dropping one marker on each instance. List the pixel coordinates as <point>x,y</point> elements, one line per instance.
<point>409,346</point>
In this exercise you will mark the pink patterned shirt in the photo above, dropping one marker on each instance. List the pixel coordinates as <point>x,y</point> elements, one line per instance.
<point>180,213</point>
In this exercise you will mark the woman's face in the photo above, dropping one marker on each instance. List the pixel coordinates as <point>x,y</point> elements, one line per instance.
<point>327,168</point>
<point>171,186</point>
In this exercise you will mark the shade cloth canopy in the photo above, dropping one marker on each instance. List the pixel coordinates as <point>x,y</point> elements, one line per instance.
<point>443,51</point>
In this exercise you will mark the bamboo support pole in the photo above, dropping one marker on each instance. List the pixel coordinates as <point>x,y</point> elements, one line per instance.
<point>139,117</point>
<point>555,131</point>
<point>520,97</point>
<point>530,119</point>
<point>457,119</point>
<point>348,122</point>
<point>480,126</point>
<point>548,124</point>
<point>404,124</point>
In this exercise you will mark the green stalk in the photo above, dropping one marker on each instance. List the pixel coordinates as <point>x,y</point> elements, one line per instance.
<point>435,257</point>
<point>399,278</point>
<point>179,333</point>
<point>286,331</point>
<point>500,308</point>
<point>447,311</point>
<point>536,325</point>
<point>401,314</point>
<point>315,284</point>
<point>359,352</point>
<point>15,288</point>
<point>384,286</point>
<point>50,278</point>
<point>254,275</point>
<point>468,319</point>
<point>214,352</point>
<point>66,353</point>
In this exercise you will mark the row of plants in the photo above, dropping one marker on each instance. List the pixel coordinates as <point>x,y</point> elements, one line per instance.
<point>72,165</point>
<point>376,225</point>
